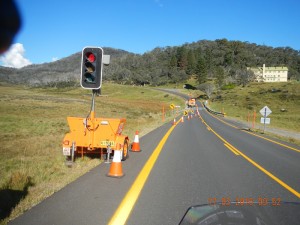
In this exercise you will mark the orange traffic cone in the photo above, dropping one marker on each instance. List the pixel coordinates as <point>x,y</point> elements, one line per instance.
<point>135,147</point>
<point>116,165</point>
<point>174,121</point>
<point>182,120</point>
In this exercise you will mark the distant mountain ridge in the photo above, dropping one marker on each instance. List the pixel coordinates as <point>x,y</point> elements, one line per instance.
<point>63,70</point>
<point>221,60</point>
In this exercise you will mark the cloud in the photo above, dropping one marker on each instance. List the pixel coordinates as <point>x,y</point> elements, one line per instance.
<point>55,59</point>
<point>14,57</point>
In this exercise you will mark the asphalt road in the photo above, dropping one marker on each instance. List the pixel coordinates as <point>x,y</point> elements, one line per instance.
<point>193,167</point>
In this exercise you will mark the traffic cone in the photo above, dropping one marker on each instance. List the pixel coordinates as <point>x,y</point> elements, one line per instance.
<point>174,121</point>
<point>182,120</point>
<point>116,165</point>
<point>135,147</point>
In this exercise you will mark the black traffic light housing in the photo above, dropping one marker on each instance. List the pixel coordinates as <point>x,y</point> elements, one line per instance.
<point>91,68</point>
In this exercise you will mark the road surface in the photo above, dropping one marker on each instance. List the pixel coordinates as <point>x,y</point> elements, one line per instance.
<point>200,161</point>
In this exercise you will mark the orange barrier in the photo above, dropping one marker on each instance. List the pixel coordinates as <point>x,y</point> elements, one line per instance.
<point>116,165</point>
<point>135,147</point>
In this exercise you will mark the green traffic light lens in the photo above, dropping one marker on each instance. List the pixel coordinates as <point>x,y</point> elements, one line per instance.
<point>89,78</point>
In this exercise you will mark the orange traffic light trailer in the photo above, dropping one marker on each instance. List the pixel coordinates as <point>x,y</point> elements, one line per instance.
<point>90,134</point>
<point>191,103</point>
<point>93,135</point>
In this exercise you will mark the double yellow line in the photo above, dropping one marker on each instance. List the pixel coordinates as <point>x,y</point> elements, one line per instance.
<point>231,148</point>
<point>238,152</point>
<point>267,139</point>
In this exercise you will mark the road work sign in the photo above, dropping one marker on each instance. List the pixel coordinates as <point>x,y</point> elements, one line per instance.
<point>265,111</point>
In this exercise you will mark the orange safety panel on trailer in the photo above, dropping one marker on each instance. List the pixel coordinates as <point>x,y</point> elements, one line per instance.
<point>192,102</point>
<point>98,133</point>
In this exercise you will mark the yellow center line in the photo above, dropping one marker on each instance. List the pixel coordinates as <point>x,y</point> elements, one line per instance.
<point>275,142</point>
<point>122,213</point>
<point>283,184</point>
<point>267,139</point>
<point>231,149</point>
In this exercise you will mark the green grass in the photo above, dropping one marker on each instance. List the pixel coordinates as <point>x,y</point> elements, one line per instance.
<point>33,124</point>
<point>241,101</point>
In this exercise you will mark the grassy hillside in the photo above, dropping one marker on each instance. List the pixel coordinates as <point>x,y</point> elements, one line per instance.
<point>33,124</point>
<point>282,98</point>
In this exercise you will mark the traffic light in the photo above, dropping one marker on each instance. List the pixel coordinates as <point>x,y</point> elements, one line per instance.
<point>91,68</point>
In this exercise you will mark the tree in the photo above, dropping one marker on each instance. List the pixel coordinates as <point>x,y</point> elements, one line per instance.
<point>209,59</point>
<point>173,62</point>
<point>244,76</point>
<point>182,58</point>
<point>201,71</point>
<point>207,88</point>
<point>219,74</point>
<point>191,60</point>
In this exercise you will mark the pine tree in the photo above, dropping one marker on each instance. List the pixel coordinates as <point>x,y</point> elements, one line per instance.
<point>191,67</point>
<point>201,71</point>
<point>173,62</point>
<point>182,58</point>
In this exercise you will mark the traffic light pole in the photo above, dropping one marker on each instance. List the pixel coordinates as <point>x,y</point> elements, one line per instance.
<point>92,116</point>
<point>95,91</point>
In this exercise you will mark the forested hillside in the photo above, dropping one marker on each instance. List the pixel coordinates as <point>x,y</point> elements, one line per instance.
<point>221,60</point>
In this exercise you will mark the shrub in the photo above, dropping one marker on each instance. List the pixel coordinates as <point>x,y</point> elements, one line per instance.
<point>228,86</point>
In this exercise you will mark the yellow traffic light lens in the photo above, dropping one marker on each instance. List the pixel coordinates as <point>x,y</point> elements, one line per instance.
<point>89,67</point>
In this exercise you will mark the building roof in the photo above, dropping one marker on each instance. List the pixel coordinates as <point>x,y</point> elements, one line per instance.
<point>277,68</point>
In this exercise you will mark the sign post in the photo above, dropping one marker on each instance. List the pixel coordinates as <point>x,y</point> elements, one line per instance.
<point>265,111</point>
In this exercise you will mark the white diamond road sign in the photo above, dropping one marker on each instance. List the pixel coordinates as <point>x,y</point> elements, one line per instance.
<point>265,111</point>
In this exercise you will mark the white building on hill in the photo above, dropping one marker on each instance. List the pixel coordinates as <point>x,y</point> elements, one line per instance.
<point>270,74</point>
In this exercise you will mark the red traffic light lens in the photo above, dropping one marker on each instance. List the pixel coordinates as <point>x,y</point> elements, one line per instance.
<point>90,57</point>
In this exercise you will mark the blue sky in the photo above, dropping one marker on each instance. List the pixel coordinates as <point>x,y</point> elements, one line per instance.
<point>54,29</point>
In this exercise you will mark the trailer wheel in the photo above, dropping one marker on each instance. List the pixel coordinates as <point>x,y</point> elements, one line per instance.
<point>125,150</point>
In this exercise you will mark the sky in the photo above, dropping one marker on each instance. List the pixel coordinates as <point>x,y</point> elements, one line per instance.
<point>54,29</point>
